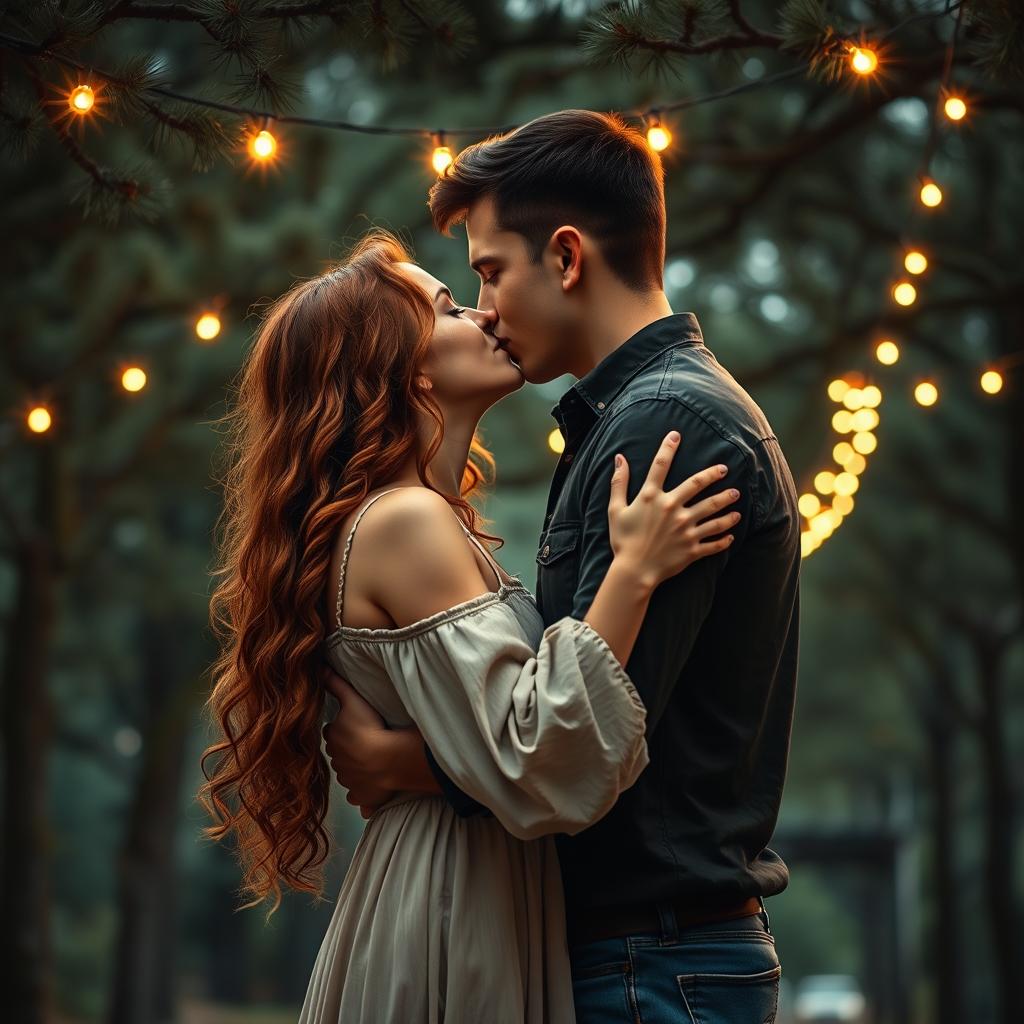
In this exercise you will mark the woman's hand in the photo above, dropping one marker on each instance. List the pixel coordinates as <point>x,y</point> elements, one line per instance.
<point>659,535</point>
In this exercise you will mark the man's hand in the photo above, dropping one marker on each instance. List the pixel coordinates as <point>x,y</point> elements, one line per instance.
<point>356,740</point>
<point>370,760</point>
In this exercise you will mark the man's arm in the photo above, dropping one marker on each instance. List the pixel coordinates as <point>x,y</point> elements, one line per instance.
<point>680,604</point>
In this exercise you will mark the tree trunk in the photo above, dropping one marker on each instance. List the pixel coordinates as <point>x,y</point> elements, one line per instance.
<point>946,935</point>
<point>999,839</point>
<point>142,985</point>
<point>27,729</point>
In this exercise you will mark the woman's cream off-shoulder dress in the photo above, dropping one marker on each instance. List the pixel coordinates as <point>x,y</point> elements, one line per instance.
<point>461,920</point>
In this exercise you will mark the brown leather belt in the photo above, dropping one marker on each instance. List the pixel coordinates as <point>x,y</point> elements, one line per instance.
<point>593,926</point>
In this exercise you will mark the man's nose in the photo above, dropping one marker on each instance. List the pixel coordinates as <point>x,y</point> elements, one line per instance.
<point>485,319</point>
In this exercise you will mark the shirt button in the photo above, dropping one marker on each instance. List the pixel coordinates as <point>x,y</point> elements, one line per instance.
<point>568,457</point>
<point>546,551</point>
<point>600,405</point>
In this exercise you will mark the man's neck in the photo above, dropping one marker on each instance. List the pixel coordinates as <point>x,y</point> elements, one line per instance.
<point>613,327</point>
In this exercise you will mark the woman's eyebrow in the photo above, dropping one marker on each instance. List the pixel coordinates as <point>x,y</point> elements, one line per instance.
<point>440,291</point>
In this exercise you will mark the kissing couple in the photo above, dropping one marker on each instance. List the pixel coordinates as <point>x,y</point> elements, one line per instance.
<point>570,792</point>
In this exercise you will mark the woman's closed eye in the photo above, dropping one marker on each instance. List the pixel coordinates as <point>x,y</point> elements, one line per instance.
<point>457,311</point>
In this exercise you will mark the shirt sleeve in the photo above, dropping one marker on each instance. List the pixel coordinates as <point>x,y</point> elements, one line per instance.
<point>680,604</point>
<point>546,738</point>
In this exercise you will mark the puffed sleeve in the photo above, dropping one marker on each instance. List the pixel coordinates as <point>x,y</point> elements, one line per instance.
<point>547,738</point>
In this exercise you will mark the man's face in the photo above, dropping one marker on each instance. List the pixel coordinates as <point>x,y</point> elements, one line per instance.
<point>535,320</point>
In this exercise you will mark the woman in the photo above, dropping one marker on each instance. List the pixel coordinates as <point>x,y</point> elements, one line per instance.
<point>354,449</point>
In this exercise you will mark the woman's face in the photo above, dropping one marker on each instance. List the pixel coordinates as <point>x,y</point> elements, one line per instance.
<point>464,364</point>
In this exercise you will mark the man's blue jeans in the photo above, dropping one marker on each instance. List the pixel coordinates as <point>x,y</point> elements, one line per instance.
<point>721,973</point>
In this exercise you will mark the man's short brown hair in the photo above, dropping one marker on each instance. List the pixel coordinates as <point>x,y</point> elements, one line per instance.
<point>577,167</point>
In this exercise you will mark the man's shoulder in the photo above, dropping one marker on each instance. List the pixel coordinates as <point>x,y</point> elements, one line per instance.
<point>691,386</point>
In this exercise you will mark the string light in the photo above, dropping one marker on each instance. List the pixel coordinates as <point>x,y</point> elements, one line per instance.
<point>863,60</point>
<point>824,482</point>
<point>442,159</point>
<point>81,99</point>
<point>208,326</point>
<point>262,146</point>
<point>843,452</point>
<point>837,389</point>
<point>931,194</point>
<point>842,421</point>
<point>822,521</point>
<point>853,398</point>
<point>133,378</point>
<point>955,108</point>
<point>864,443</point>
<point>809,505</point>
<point>556,442</point>
<point>915,261</point>
<point>659,138</point>
<point>845,484</point>
<point>39,419</point>
<point>904,293</point>
<point>887,352</point>
<point>871,398</point>
<point>992,382</point>
<point>926,393</point>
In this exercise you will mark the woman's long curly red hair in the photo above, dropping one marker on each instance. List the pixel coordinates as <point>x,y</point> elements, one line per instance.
<point>325,410</point>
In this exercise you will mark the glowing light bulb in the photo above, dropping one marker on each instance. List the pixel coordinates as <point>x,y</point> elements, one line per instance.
<point>82,99</point>
<point>992,382</point>
<point>871,398</point>
<point>39,419</point>
<point>843,504</point>
<point>904,293</point>
<point>837,389</point>
<point>854,398</point>
<point>845,485</point>
<point>926,393</point>
<point>208,326</point>
<point>262,146</point>
<point>842,452</point>
<point>824,482</point>
<point>931,194</point>
<point>556,442</point>
<point>915,261</point>
<point>887,352</point>
<point>865,419</point>
<point>842,422</point>
<point>856,465</point>
<point>809,505</point>
<point>865,443</point>
<point>863,60</point>
<point>442,159</point>
<point>955,108</point>
<point>658,137</point>
<point>133,379</point>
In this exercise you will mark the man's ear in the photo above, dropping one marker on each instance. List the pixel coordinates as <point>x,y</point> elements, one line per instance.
<point>567,245</point>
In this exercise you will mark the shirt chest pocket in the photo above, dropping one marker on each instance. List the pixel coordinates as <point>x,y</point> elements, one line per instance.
<point>558,565</point>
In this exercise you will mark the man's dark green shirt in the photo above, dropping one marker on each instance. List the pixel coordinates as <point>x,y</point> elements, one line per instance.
<point>716,659</point>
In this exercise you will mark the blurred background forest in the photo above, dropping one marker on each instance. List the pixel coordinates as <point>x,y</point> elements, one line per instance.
<point>792,201</point>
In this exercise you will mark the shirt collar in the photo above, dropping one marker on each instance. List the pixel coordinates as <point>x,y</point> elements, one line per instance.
<point>596,390</point>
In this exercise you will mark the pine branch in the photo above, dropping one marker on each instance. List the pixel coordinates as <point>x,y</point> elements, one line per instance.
<point>661,31</point>
<point>997,39</point>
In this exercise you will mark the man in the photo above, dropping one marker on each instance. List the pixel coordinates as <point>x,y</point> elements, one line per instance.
<point>565,219</point>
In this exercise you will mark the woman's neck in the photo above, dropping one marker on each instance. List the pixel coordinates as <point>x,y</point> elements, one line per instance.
<point>446,467</point>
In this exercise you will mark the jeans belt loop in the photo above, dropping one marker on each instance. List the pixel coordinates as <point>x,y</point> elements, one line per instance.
<point>667,923</point>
